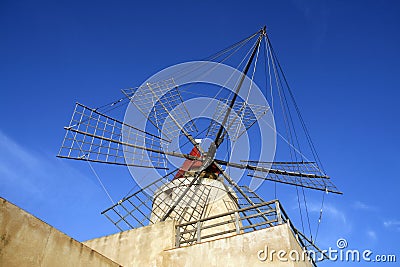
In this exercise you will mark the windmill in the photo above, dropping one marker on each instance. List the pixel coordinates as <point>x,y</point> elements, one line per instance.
<point>200,187</point>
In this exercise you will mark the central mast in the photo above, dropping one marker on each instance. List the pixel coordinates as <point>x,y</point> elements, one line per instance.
<point>220,135</point>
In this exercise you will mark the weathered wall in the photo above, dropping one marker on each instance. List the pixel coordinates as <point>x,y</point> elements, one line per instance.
<point>154,246</point>
<point>239,250</point>
<point>138,247</point>
<point>28,241</point>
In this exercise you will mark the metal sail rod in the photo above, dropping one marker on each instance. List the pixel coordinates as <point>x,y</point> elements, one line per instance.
<point>219,138</point>
<point>174,154</point>
<point>279,162</point>
<point>112,163</point>
<point>262,169</point>
<point>325,189</point>
<point>176,203</point>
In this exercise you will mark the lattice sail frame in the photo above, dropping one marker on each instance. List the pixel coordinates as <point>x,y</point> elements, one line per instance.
<point>315,178</point>
<point>145,206</point>
<point>96,137</point>
<point>159,101</point>
<point>243,116</point>
<point>137,209</point>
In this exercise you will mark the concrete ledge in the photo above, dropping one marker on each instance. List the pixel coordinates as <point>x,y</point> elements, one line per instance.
<point>137,247</point>
<point>154,245</point>
<point>237,250</point>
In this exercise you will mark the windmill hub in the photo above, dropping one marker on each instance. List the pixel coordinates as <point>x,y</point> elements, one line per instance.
<point>204,166</point>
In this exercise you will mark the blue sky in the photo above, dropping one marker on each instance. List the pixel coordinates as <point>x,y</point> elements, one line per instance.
<point>340,57</point>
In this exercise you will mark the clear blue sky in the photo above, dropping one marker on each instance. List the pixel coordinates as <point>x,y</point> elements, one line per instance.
<point>341,58</point>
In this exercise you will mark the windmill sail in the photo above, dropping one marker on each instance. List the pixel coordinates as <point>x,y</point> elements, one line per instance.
<point>162,103</point>
<point>150,204</point>
<point>96,137</point>
<point>297,173</point>
<point>240,119</point>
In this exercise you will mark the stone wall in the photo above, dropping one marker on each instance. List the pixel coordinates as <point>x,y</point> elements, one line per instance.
<point>28,241</point>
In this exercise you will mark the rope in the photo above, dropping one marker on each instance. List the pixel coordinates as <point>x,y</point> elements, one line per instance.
<point>239,45</point>
<point>97,176</point>
<point>320,215</point>
<point>315,154</point>
<point>101,183</point>
<point>247,97</point>
<point>286,123</point>
<point>221,88</point>
<point>299,149</point>
<point>308,137</point>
